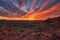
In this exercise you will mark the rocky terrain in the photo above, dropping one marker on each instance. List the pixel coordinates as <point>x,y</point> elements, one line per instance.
<point>30,30</point>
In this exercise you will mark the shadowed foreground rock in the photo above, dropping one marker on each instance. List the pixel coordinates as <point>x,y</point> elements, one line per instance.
<point>30,30</point>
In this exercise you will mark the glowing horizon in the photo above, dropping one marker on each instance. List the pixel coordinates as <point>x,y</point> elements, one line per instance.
<point>40,14</point>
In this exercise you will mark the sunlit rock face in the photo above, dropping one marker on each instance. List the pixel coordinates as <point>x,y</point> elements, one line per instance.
<point>21,8</point>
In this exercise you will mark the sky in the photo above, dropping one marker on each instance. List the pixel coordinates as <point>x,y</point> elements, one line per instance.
<point>14,6</point>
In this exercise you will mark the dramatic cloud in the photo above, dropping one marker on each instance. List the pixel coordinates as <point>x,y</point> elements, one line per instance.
<point>21,7</point>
